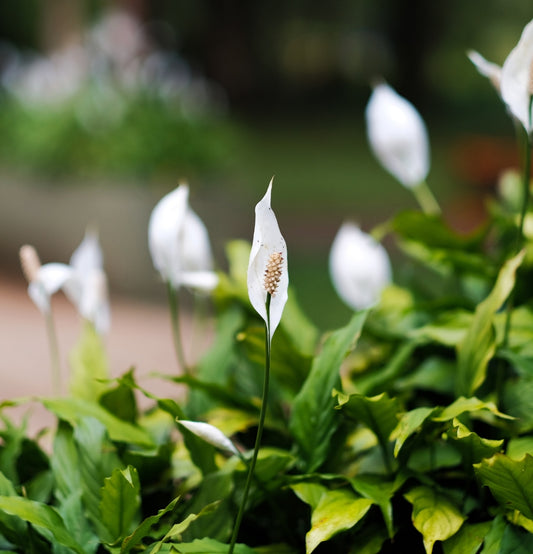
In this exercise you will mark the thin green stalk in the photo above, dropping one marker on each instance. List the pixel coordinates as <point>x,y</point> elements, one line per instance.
<point>257,445</point>
<point>54,352</point>
<point>173,302</point>
<point>525,191</point>
<point>426,199</point>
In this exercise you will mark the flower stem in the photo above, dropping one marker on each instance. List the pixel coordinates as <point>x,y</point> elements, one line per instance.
<point>525,191</point>
<point>262,415</point>
<point>54,352</point>
<point>173,303</point>
<point>426,199</point>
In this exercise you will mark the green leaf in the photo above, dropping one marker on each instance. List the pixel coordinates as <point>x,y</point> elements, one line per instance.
<point>494,536</point>
<point>313,420</point>
<point>176,531</point>
<point>332,511</point>
<point>74,409</point>
<point>468,539</point>
<point>510,481</point>
<point>479,344</point>
<point>409,423</point>
<point>518,447</point>
<point>517,400</point>
<point>12,527</point>
<point>89,365</point>
<point>380,491</point>
<point>434,515</point>
<point>144,528</point>
<point>448,329</point>
<point>471,405</point>
<point>472,446</point>
<point>45,519</point>
<point>433,374</point>
<point>379,413</point>
<point>120,400</point>
<point>210,546</point>
<point>516,541</point>
<point>120,502</point>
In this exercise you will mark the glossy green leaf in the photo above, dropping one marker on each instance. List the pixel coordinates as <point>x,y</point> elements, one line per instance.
<point>74,410</point>
<point>494,536</point>
<point>516,541</point>
<point>467,405</point>
<point>434,515</point>
<point>479,344</point>
<point>468,539</point>
<point>518,447</point>
<point>89,365</point>
<point>144,528</point>
<point>433,374</point>
<point>120,502</point>
<point>410,422</point>
<point>333,511</point>
<point>14,529</point>
<point>45,519</point>
<point>176,531</point>
<point>209,546</point>
<point>449,329</point>
<point>380,491</point>
<point>379,413</point>
<point>517,400</point>
<point>510,481</point>
<point>313,420</point>
<point>473,447</point>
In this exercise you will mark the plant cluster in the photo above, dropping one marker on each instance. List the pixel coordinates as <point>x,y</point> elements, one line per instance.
<point>410,429</point>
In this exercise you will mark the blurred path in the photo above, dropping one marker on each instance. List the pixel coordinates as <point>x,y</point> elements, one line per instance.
<point>140,336</point>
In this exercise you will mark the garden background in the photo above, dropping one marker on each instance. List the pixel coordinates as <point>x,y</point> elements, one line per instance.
<point>241,91</point>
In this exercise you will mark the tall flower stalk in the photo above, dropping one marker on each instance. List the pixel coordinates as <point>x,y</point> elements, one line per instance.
<point>268,282</point>
<point>181,252</point>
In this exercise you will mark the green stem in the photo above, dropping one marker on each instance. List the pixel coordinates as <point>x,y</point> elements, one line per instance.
<point>173,302</point>
<point>54,352</point>
<point>262,415</point>
<point>525,191</point>
<point>425,199</point>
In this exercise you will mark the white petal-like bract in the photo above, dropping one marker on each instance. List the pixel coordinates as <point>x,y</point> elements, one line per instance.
<point>50,278</point>
<point>359,267</point>
<point>516,78</point>
<point>398,136</point>
<point>179,243</point>
<point>209,433</point>
<point>267,242</point>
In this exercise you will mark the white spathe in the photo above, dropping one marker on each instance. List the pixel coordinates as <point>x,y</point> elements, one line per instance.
<point>516,82</point>
<point>209,433</point>
<point>49,279</point>
<point>179,243</point>
<point>83,280</point>
<point>87,288</point>
<point>398,136</point>
<point>267,240</point>
<point>359,267</point>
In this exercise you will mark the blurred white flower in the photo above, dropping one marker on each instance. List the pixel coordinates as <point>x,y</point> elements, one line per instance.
<point>83,281</point>
<point>359,267</point>
<point>87,288</point>
<point>267,269</point>
<point>179,243</point>
<point>211,434</point>
<point>517,79</point>
<point>398,136</point>
<point>492,71</point>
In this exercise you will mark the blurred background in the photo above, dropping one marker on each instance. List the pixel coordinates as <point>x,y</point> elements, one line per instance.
<point>106,105</point>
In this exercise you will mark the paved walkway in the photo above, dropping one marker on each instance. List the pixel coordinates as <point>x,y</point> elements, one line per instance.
<point>140,336</point>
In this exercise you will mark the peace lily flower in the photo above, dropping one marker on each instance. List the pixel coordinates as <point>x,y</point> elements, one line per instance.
<point>359,267</point>
<point>268,276</point>
<point>83,280</point>
<point>210,434</point>
<point>179,243</point>
<point>398,136</point>
<point>517,78</point>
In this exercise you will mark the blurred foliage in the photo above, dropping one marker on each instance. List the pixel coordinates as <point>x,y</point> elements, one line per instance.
<point>88,137</point>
